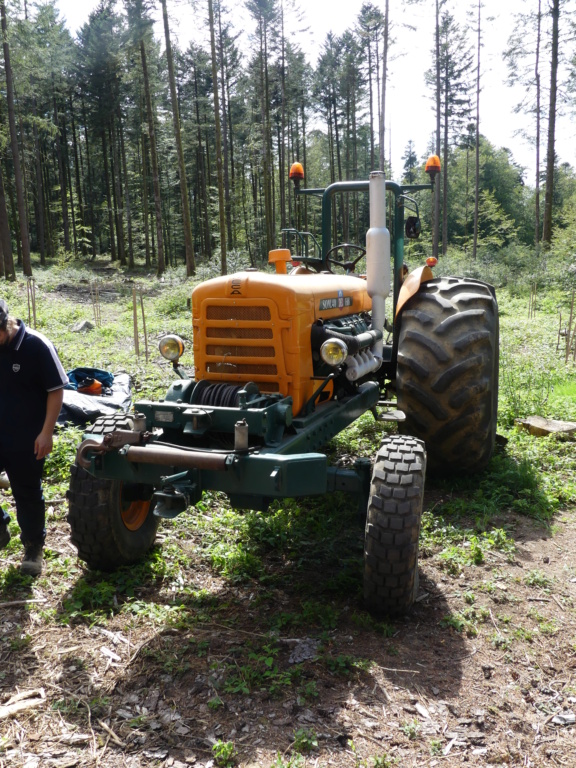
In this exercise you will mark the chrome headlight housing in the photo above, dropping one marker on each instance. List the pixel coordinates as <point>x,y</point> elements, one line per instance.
<point>171,347</point>
<point>333,352</point>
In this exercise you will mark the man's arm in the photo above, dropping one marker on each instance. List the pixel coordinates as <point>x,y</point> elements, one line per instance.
<point>43,443</point>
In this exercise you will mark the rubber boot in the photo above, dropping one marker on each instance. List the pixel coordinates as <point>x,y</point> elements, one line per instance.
<point>33,559</point>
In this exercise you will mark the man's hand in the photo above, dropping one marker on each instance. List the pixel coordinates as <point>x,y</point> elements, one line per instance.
<point>43,445</point>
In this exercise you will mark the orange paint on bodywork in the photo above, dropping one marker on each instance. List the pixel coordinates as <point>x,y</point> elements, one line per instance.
<point>255,326</point>
<point>411,285</point>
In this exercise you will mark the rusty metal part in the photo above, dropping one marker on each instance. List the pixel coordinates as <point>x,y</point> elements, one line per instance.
<point>411,285</point>
<point>121,437</point>
<point>94,446</point>
<point>161,454</point>
<point>152,454</point>
<point>109,442</point>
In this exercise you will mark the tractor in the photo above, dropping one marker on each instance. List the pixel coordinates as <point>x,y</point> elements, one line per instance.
<point>287,357</point>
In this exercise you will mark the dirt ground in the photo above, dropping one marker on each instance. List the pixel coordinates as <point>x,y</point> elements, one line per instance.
<point>498,690</point>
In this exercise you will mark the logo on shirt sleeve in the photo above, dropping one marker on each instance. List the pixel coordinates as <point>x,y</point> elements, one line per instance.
<point>16,367</point>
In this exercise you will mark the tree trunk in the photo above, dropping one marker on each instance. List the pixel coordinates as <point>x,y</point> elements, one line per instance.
<point>126,192</point>
<point>477,147</point>
<point>48,223</point>
<point>5,236</point>
<point>108,197</point>
<point>550,152</point>
<point>68,174</point>
<point>219,170</point>
<point>145,201</point>
<point>154,161</point>
<point>202,196</point>
<point>186,223</point>
<point>62,176</point>
<point>78,182</point>
<point>117,189</point>
<point>436,190</point>
<point>23,221</point>
<point>266,138</point>
<point>445,167</point>
<point>538,96</point>
<point>384,79</point>
<point>371,104</point>
<point>225,144</point>
<point>89,192</point>
<point>282,127</point>
<point>39,191</point>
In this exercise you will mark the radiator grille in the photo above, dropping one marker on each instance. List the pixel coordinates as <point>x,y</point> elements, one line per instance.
<point>237,341</point>
<point>242,368</point>
<point>239,333</point>
<point>225,350</point>
<point>235,312</point>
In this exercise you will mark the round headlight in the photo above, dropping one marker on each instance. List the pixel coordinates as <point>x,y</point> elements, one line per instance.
<point>171,347</point>
<point>334,352</point>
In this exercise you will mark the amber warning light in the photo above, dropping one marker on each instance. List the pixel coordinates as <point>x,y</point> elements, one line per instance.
<point>432,167</point>
<point>431,261</point>
<point>297,174</point>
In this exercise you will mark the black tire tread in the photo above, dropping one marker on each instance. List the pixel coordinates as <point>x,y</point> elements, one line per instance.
<point>447,377</point>
<point>393,525</point>
<point>96,527</point>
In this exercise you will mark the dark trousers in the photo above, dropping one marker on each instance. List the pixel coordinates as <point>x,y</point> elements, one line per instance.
<point>25,474</point>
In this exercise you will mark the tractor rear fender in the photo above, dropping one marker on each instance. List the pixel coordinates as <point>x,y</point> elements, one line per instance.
<point>411,285</point>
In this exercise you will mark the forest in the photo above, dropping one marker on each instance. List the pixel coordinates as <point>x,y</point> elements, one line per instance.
<point>116,142</point>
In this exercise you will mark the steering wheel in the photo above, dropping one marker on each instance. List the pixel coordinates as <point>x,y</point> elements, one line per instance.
<point>347,266</point>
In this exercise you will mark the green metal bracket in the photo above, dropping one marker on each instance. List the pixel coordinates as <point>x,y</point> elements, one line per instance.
<point>399,193</point>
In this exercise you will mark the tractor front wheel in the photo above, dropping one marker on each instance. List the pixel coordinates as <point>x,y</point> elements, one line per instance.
<point>393,526</point>
<point>112,523</point>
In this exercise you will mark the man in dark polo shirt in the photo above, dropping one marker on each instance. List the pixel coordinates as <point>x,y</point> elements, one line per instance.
<point>31,391</point>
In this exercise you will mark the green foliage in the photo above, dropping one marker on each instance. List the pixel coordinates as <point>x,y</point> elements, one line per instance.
<point>258,668</point>
<point>411,729</point>
<point>215,703</point>
<point>305,740</point>
<point>500,642</point>
<point>345,664</point>
<point>461,545</point>
<point>435,747</point>
<point>20,643</point>
<point>383,761</point>
<point>537,579</point>
<point>524,635</point>
<point>57,466</point>
<point>97,596</point>
<point>225,753</point>
<point>366,621</point>
<point>295,760</point>
<point>512,481</point>
<point>525,389</point>
<point>466,620</point>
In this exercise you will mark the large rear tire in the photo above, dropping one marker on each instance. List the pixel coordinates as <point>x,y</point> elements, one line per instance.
<point>393,526</point>
<point>447,377</point>
<point>112,523</point>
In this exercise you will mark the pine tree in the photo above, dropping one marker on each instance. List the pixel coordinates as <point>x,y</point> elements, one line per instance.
<point>455,63</point>
<point>18,178</point>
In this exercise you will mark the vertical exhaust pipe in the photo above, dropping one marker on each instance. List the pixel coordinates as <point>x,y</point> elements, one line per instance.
<point>378,257</point>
